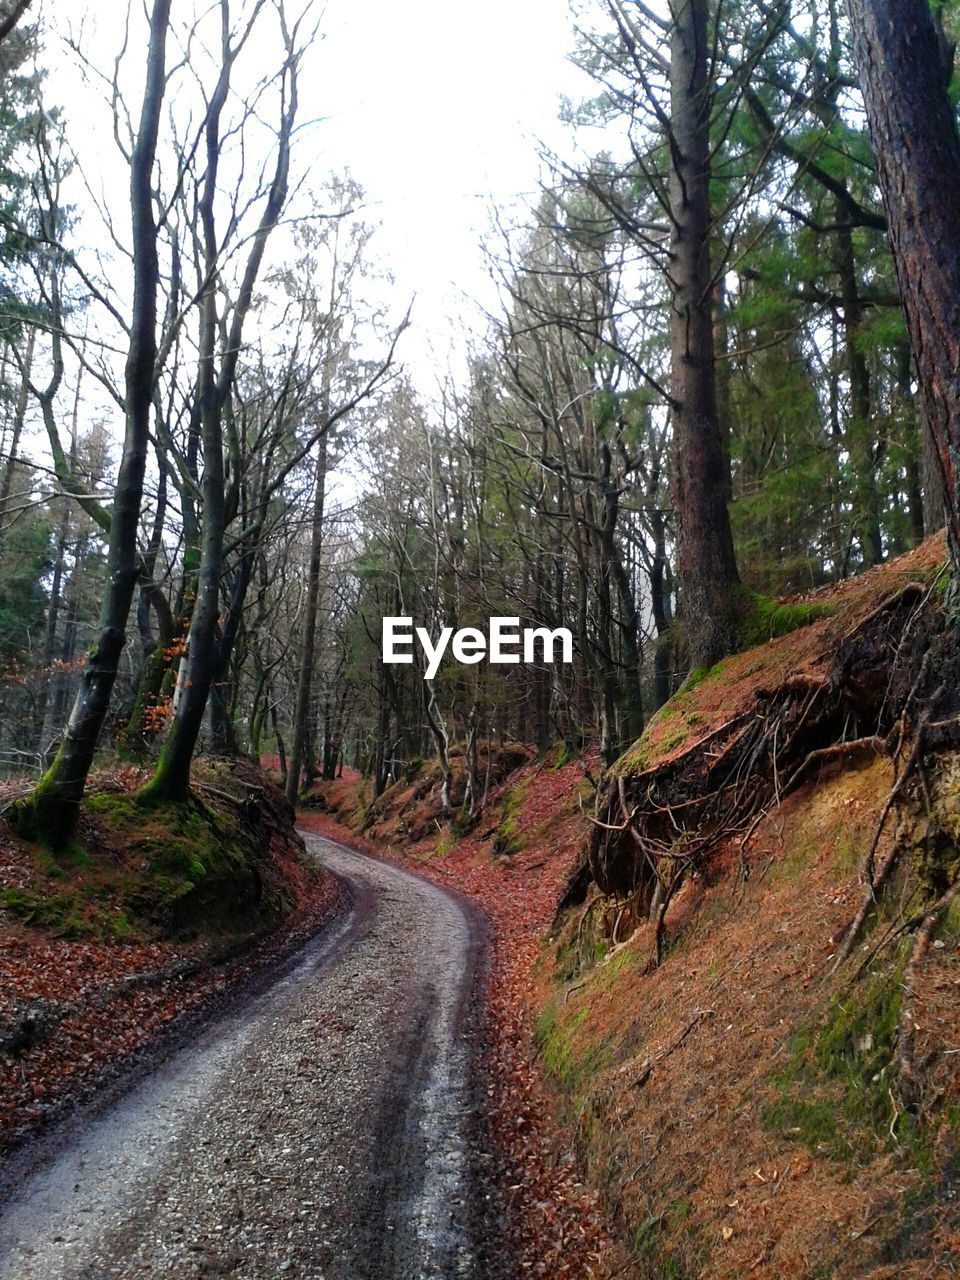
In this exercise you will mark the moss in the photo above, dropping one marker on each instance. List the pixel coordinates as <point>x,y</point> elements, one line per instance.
<point>570,1063</point>
<point>847,857</point>
<point>608,971</point>
<point>759,619</point>
<point>67,914</point>
<point>925,1212</point>
<point>555,1044</point>
<point>951,920</point>
<point>463,822</point>
<point>649,1239</point>
<point>810,1122</point>
<point>445,842</point>
<point>201,864</point>
<point>833,1092</point>
<point>506,840</point>
<point>670,727</point>
<point>800,853</point>
<point>698,675</point>
<point>636,759</point>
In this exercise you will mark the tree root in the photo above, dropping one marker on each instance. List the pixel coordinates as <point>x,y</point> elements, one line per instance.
<point>829,755</point>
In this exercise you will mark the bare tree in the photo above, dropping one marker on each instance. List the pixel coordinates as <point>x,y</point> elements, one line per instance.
<point>51,811</point>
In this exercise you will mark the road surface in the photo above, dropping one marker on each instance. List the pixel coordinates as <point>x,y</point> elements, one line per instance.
<point>325,1129</point>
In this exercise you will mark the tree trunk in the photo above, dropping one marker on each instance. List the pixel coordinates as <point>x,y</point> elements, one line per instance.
<point>172,777</point>
<point>301,716</point>
<point>19,416</point>
<point>859,432</point>
<point>51,812</point>
<point>917,148</point>
<point>708,569</point>
<point>50,631</point>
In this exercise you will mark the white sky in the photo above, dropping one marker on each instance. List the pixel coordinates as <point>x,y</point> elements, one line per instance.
<point>434,106</point>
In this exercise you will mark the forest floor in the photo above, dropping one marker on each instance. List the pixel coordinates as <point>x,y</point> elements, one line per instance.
<point>95,985</point>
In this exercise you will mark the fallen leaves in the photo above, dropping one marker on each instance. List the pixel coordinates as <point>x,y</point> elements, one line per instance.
<point>108,1003</point>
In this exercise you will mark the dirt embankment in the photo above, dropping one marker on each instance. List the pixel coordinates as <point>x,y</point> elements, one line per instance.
<point>107,951</point>
<point>757,1060</point>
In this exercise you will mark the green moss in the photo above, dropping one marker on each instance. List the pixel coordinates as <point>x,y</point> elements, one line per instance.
<point>801,852</point>
<point>462,822</point>
<point>67,914</point>
<point>833,1092</point>
<point>760,619</point>
<point>636,759</point>
<point>201,863</point>
<point>810,1122</point>
<point>447,840</point>
<point>698,675</point>
<point>555,1044</point>
<point>648,1241</point>
<point>571,1065</point>
<point>506,840</point>
<point>670,727</point>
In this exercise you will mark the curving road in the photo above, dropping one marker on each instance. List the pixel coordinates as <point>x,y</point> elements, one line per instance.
<point>323,1130</point>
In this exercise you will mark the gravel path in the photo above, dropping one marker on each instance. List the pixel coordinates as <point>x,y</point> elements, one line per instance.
<point>321,1131</point>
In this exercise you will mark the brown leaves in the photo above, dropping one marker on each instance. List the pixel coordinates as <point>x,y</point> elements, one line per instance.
<point>109,1002</point>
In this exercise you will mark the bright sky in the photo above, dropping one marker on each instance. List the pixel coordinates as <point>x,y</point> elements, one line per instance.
<point>436,108</point>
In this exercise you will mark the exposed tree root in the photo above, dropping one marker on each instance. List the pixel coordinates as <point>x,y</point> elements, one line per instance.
<point>892,679</point>
<point>875,877</point>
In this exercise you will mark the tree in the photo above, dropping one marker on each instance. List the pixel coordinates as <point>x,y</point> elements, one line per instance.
<point>220,347</point>
<point>11,11</point>
<point>914,134</point>
<point>51,811</point>
<point>707,564</point>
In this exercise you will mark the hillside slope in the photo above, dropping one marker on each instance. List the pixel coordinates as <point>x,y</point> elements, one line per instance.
<point>748,1098</point>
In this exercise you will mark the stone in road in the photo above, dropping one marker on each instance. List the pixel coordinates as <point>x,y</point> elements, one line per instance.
<point>321,1131</point>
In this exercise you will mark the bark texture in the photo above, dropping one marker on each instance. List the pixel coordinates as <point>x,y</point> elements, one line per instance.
<point>708,569</point>
<point>301,720</point>
<point>914,136</point>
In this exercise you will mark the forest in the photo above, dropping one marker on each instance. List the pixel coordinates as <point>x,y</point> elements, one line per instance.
<point>708,405</point>
<point>226,583</point>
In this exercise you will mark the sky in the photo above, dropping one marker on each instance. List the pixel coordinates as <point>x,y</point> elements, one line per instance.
<point>436,108</point>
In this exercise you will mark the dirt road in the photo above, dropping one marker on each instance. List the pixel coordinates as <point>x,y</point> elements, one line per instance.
<point>324,1130</point>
